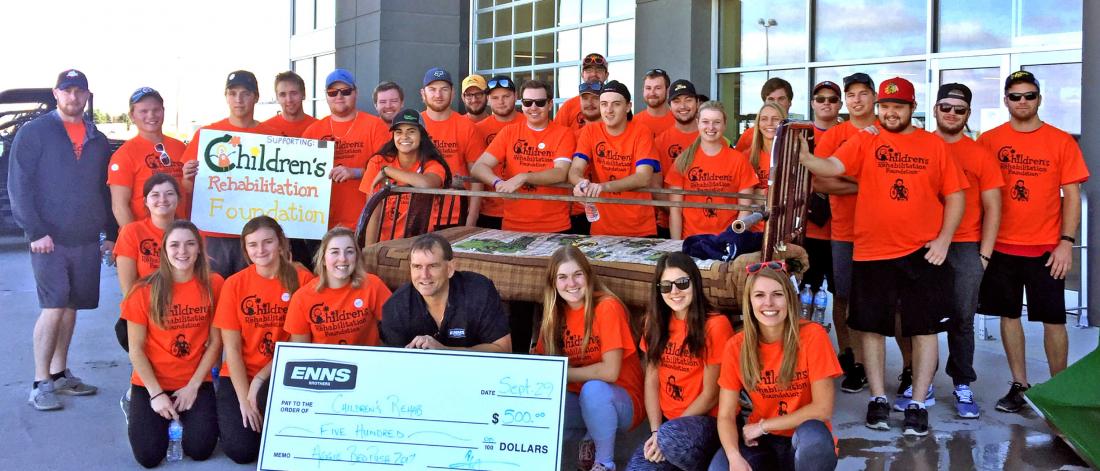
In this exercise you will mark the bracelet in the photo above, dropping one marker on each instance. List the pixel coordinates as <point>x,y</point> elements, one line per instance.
<point>156,396</point>
<point>495,182</point>
<point>653,432</point>
<point>762,430</point>
<point>1069,239</point>
<point>987,259</point>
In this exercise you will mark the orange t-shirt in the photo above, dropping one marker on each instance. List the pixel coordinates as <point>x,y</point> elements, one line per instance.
<point>816,361</point>
<point>356,141</point>
<point>670,144</point>
<point>176,350</point>
<point>744,141</point>
<point>133,163</point>
<point>460,143</point>
<point>522,149</point>
<point>191,152</point>
<point>903,179</point>
<point>76,134</point>
<point>290,129</point>
<point>841,207</point>
<point>612,158</point>
<point>656,124</point>
<point>982,174</point>
<point>343,316</point>
<point>489,127</point>
<point>140,241</point>
<point>256,307</point>
<point>727,172</point>
<point>815,231</point>
<point>391,221</point>
<point>681,373</point>
<point>610,331</point>
<point>569,115</point>
<point>1035,165</point>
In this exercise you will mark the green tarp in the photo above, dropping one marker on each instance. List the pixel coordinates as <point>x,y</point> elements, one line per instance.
<point>1070,403</point>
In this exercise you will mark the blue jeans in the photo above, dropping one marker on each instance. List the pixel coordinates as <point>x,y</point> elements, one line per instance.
<point>599,412</point>
<point>688,443</point>
<point>966,265</point>
<point>810,449</point>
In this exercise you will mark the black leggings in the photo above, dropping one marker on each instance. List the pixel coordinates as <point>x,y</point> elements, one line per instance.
<point>239,443</point>
<point>148,431</point>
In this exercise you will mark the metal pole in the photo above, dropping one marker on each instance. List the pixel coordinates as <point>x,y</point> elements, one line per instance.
<point>1090,145</point>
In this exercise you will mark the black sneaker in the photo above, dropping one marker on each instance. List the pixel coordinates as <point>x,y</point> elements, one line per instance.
<point>878,414</point>
<point>905,380</point>
<point>1014,400</point>
<point>855,380</point>
<point>847,360</point>
<point>916,421</point>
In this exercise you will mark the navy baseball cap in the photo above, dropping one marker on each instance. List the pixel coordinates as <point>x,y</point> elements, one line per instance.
<point>72,78</point>
<point>437,73</point>
<point>143,92</point>
<point>242,78</point>
<point>340,75</point>
<point>859,77</point>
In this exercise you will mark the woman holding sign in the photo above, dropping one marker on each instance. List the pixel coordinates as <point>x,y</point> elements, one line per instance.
<point>173,345</point>
<point>787,366</point>
<point>583,320</point>
<point>251,311</point>
<point>343,305</point>
<point>408,159</point>
<point>683,342</point>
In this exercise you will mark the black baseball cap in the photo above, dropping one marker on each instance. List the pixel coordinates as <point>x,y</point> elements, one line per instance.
<point>616,87</point>
<point>406,116</point>
<point>1021,76</point>
<point>859,77</point>
<point>72,78</point>
<point>954,90</point>
<point>242,78</point>
<point>681,87</point>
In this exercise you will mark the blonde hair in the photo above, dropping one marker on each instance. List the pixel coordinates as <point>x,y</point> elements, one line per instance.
<point>750,349</point>
<point>357,275</point>
<point>554,307</point>
<point>758,135</point>
<point>160,282</point>
<point>684,160</point>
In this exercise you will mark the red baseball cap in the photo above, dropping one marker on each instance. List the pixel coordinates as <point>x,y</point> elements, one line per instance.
<point>897,90</point>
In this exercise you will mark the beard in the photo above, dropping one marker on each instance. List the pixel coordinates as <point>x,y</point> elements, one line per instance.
<point>654,102</point>
<point>438,109</point>
<point>472,110</point>
<point>690,119</point>
<point>947,129</point>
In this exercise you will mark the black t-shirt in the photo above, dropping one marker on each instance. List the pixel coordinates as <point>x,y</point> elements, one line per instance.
<point>474,314</point>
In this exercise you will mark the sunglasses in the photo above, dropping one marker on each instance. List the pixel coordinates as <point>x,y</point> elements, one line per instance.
<point>1029,96</point>
<point>500,83</point>
<point>778,265</point>
<point>595,59</point>
<point>832,100</point>
<point>590,87</point>
<point>339,91</point>
<point>527,102</point>
<point>657,72</point>
<point>958,109</point>
<point>681,284</point>
<point>165,160</point>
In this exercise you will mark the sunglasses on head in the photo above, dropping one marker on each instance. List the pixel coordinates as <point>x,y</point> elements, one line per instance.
<point>339,91</point>
<point>591,87</point>
<point>165,160</point>
<point>778,265</point>
<point>657,72</point>
<point>527,102</point>
<point>958,109</point>
<point>501,83</point>
<point>1029,96</point>
<point>682,284</point>
<point>832,100</point>
<point>593,59</point>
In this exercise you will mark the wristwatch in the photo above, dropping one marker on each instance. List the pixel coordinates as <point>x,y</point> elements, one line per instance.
<point>1069,239</point>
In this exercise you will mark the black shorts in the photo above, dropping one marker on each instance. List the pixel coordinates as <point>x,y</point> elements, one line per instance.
<point>908,285</point>
<point>1006,279</point>
<point>820,252</point>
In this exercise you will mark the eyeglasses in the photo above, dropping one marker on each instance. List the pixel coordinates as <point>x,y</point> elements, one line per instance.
<point>165,160</point>
<point>500,83</point>
<point>681,284</point>
<point>339,91</point>
<point>595,59</point>
<point>527,102</point>
<point>476,94</point>
<point>832,99</point>
<point>1029,96</point>
<point>958,109</point>
<point>778,265</point>
<point>591,87</point>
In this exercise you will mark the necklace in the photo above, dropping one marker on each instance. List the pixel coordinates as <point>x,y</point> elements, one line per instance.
<point>332,129</point>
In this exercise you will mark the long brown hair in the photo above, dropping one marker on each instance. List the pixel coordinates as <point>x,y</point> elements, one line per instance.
<point>758,135</point>
<point>554,307</point>
<point>357,275</point>
<point>288,270</point>
<point>160,282</point>
<point>750,348</point>
<point>684,160</point>
<point>659,313</point>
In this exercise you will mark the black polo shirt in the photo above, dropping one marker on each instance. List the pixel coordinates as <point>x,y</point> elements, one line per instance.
<point>474,314</point>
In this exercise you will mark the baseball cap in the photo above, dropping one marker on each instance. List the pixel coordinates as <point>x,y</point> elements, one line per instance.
<point>340,75</point>
<point>143,92</point>
<point>954,90</point>
<point>593,87</point>
<point>437,73</point>
<point>615,86</point>
<point>475,81</point>
<point>681,87</point>
<point>858,77</point>
<point>594,60</point>
<point>501,81</point>
<point>1021,76</point>
<point>896,90</point>
<point>72,78</point>
<point>406,116</point>
<point>242,78</point>
<point>826,84</point>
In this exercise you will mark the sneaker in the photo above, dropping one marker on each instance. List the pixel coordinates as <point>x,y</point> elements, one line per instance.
<point>43,397</point>
<point>916,421</point>
<point>903,400</point>
<point>905,381</point>
<point>855,380</point>
<point>964,403</point>
<point>1014,400</point>
<point>72,386</point>
<point>847,360</point>
<point>124,403</point>
<point>586,455</point>
<point>878,414</point>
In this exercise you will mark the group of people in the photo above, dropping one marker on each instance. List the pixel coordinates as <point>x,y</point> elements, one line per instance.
<point>908,216</point>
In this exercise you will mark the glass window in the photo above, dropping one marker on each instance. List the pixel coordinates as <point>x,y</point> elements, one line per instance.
<point>569,45</point>
<point>484,3</point>
<point>521,52</point>
<point>569,12</point>
<point>503,54</point>
<point>544,14</point>
<point>749,101</point>
<point>544,49</point>
<point>621,8</point>
<point>1048,22</point>
<point>594,10</point>
<point>622,71</point>
<point>729,92</point>
<point>304,68</point>
<point>325,65</point>
<point>485,25</point>
<point>524,17</point>
<point>504,22</point>
<point>915,72</point>
<point>303,16</point>
<point>987,110</point>
<point>621,38</point>
<point>594,39</point>
<point>773,32</point>
<point>484,56</point>
<point>988,24</point>
<point>1061,88</point>
<point>569,78</point>
<point>326,14</point>
<point>860,29</point>
<point>546,75</point>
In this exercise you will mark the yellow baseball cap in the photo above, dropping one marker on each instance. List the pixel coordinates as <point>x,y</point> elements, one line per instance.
<point>474,80</point>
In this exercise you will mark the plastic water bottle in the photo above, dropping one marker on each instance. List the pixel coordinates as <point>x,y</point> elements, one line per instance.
<point>590,211</point>
<point>821,300</point>
<point>108,257</point>
<point>175,441</point>
<point>807,298</point>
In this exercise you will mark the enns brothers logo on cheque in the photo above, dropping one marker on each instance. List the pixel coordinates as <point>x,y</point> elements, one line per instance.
<point>896,162</point>
<point>320,375</point>
<point>225,153</point>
